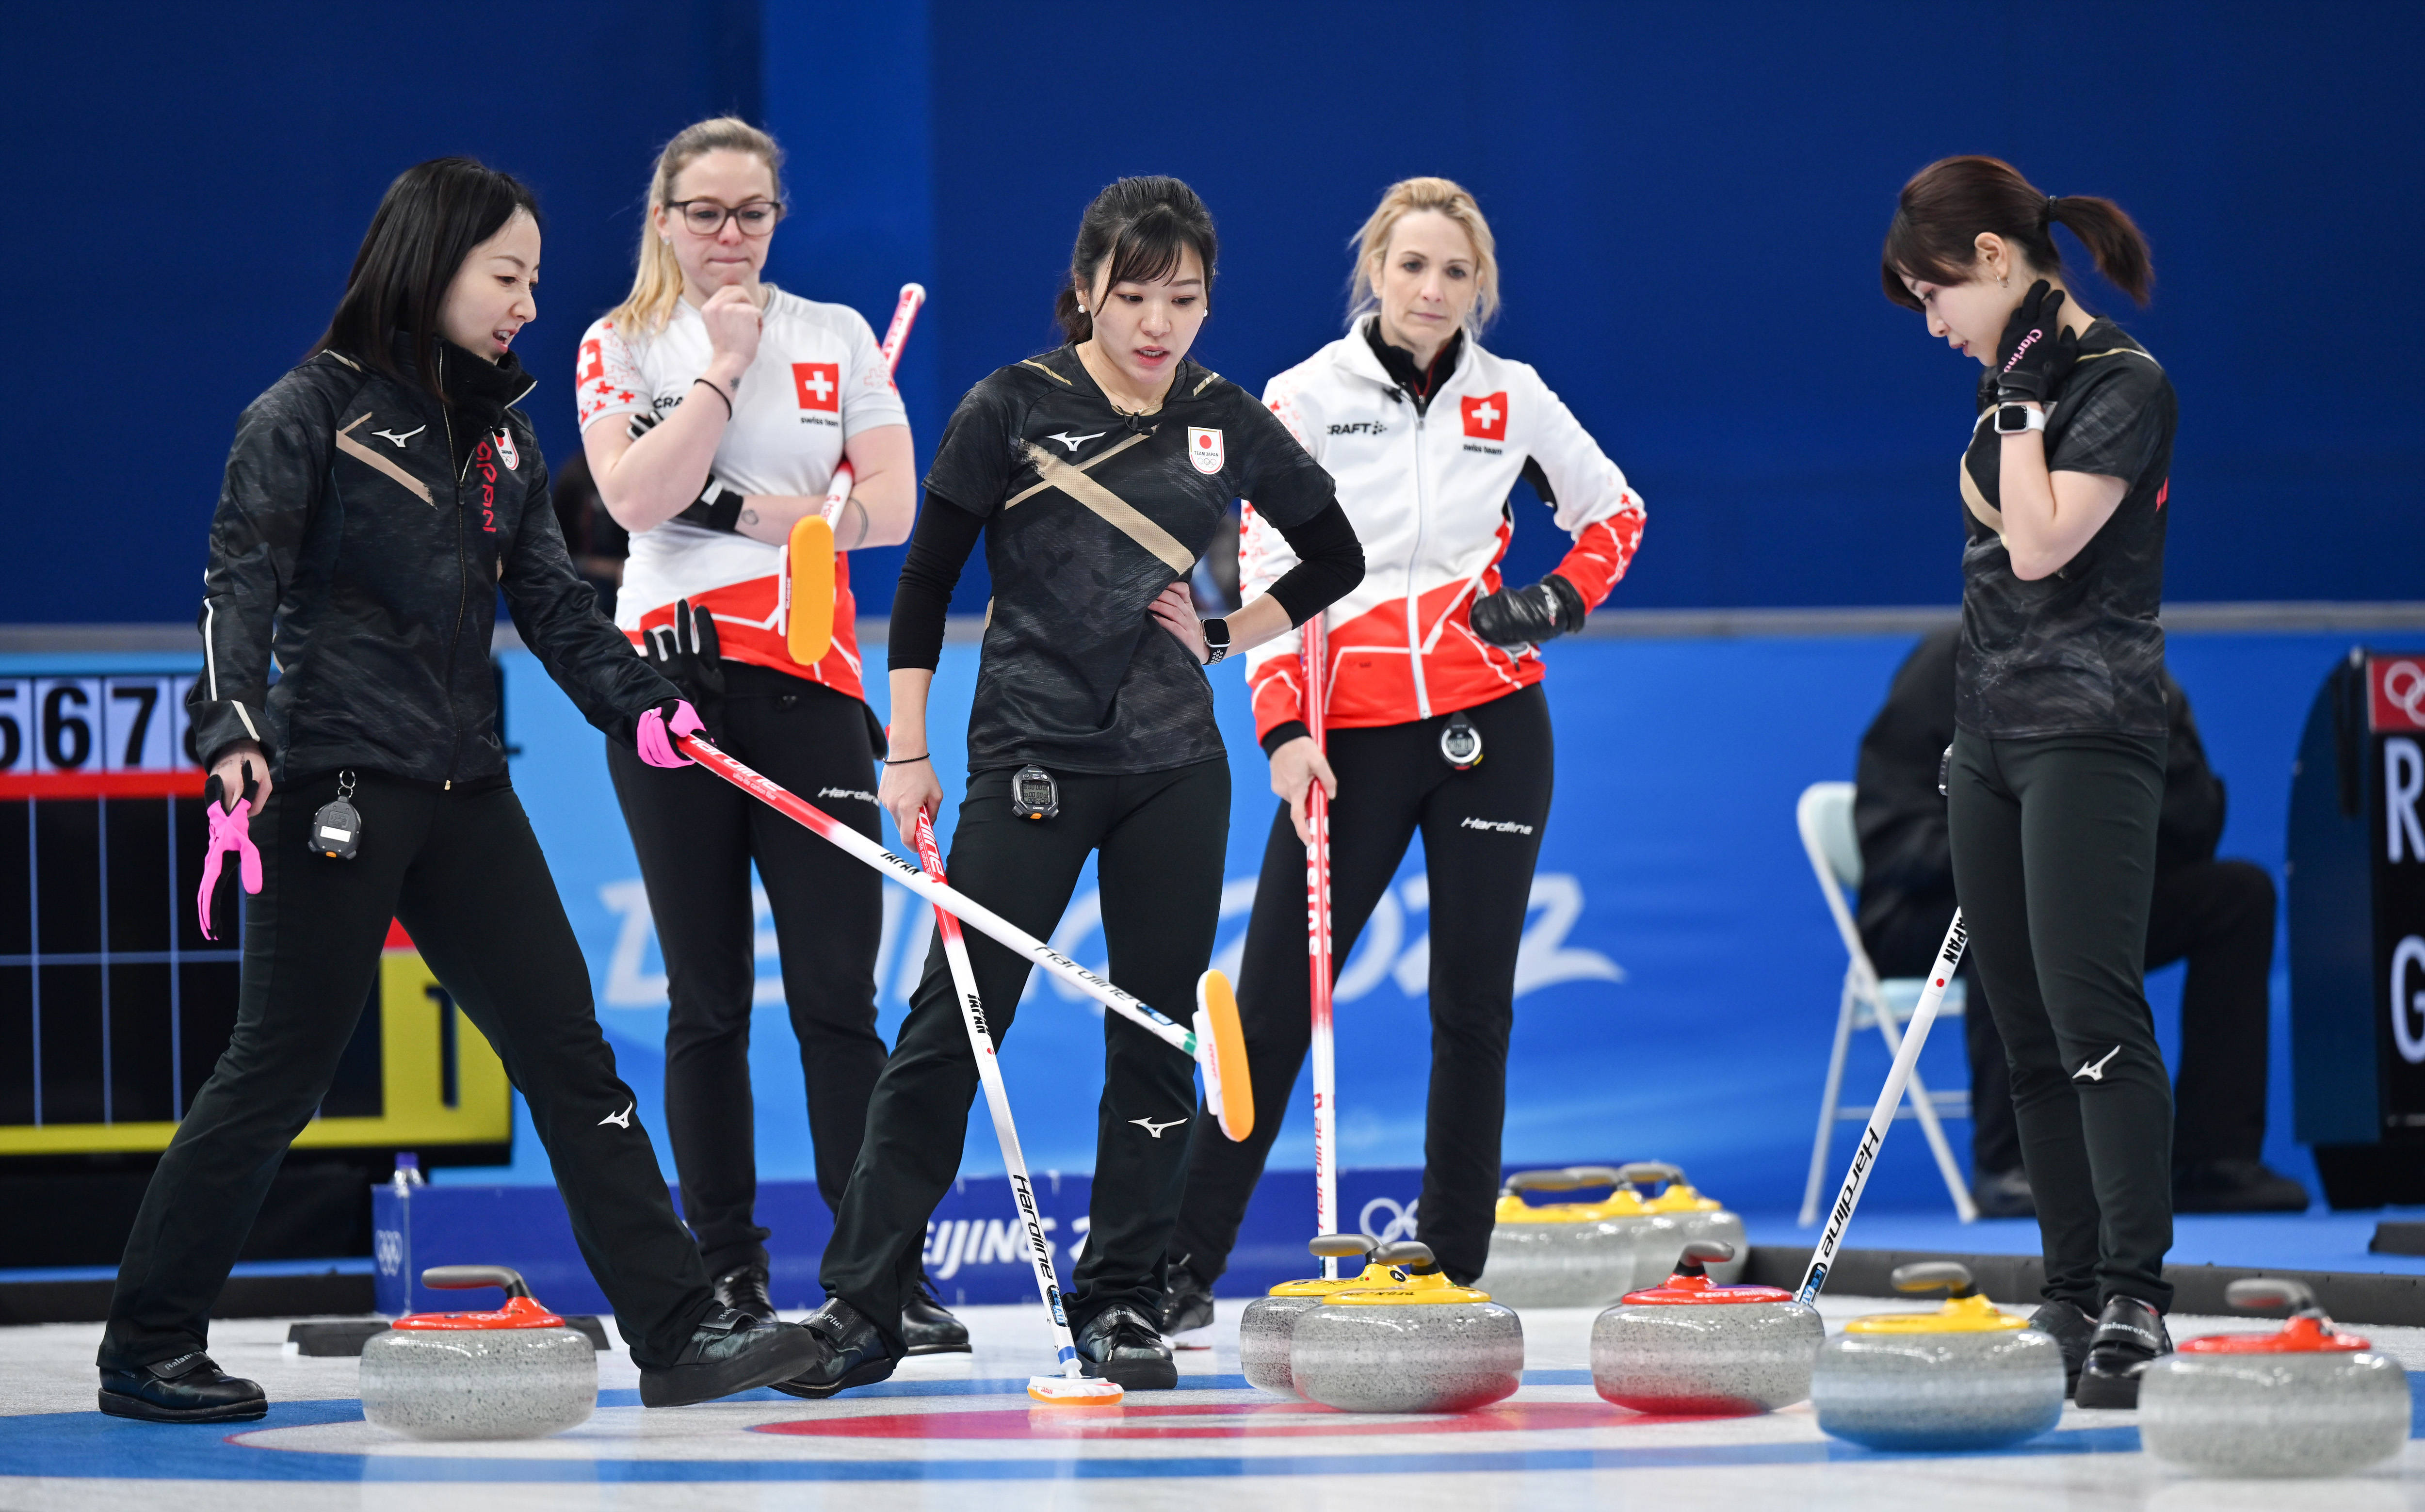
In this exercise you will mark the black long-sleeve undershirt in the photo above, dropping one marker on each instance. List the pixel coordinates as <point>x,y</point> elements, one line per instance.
<point>1331,562</point>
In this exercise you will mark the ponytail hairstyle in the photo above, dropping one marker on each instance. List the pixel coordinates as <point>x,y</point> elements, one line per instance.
<point>429,220</point>
<point>657,286</point>
<point>1403,198</point>
<point>1941,212</point>
<point>1144,226</point>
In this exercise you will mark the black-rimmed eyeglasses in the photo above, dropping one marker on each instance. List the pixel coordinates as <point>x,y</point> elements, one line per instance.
<point>706,217</point>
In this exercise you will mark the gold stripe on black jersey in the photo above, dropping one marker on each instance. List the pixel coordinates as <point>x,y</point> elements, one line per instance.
<point>1103,456</point>
<point>353,448</point>
<point>1117,512</point>
<point>1030,362</point>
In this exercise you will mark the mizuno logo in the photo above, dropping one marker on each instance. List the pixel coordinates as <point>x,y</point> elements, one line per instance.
<point>2095,1071</point>
<point>1074,442</point>
<point>620,1120</point>
<point>1156,1129</point>
<point>389,435</point>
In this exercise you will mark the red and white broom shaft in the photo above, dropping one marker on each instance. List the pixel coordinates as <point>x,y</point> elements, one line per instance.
<point>1315,641</point>
<point>896,336</point>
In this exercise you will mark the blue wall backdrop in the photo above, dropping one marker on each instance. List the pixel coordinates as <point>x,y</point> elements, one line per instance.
<point>1689,202</point>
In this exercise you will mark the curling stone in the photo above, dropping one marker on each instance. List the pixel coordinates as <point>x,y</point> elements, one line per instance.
<point>1264,1332</point>
<point>1420,1345</point>
<point>2308,1400</point>
<point>517,1373</point>
<point>1566,1254</point>
<point>1965,1376</point>
<point>1678,1215</point>
<point>1694,1347</point>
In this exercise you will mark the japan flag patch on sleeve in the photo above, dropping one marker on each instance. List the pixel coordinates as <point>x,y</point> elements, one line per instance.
<point>1204,448</point>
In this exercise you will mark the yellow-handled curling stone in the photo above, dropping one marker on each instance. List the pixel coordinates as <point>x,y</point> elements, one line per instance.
<point>1420,1345</point>
<point>1264,1332</point>
<point>1965,1376</point>
<point>1565,1254</point>
<point>516,1373</point>
<point>1694,1346</point>
<point>2308,1400</point>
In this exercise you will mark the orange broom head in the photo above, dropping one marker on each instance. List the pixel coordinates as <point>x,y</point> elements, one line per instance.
<point>1224,1055</point>
<point>810,591</point>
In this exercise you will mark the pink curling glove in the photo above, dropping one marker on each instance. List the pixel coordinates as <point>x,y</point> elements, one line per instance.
<point>658,732</point>
<point>231,830</point>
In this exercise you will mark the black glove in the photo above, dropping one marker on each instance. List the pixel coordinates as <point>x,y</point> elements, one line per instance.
<point>717,506</point>
<point>2036,351</point>
<point>685,652</point>
<point>1548,609</point>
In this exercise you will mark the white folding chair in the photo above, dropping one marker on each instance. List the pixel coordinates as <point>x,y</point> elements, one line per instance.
<point>1825,816</point>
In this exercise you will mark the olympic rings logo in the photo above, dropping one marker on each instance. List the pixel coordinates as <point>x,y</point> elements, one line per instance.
<point>1400,1225</point>
<point>2404,688</point>
<point>388,1246</point>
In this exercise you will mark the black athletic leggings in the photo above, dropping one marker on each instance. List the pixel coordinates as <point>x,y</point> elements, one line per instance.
<point>696,835</point>
<point>1158,839</point>
<point>2054,860</point>
<point>1481,834</point>
<point>462,871</point>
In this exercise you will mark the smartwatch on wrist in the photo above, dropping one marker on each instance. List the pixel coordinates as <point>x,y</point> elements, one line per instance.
<point>1216,640</point>
<point>2013,418</point>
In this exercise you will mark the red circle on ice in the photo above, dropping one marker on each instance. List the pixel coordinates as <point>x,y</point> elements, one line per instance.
<point>1209,1420</point>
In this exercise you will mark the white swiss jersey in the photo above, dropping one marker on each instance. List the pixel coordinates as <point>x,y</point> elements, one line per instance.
<point>818,380</point>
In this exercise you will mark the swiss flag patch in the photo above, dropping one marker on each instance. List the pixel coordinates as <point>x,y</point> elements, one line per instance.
<point>1485,418</point>
<point>819,385</point>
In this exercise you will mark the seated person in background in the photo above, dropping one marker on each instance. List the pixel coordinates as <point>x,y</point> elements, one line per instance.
<point>598,545</point>
<point>2216,914</point>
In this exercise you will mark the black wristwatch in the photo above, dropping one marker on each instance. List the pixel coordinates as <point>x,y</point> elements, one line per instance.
<point>1216,640</point>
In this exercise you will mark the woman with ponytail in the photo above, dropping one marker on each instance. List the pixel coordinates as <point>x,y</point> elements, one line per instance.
<point>2056,775</point>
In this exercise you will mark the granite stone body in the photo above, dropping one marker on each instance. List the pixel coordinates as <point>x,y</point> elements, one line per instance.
<point>1731,1359</point>
<point>479,1383</point>
<point>1441,1356</point>
<point>2322,1413</point>
<point>1263,1336</point>
<point>1586,1263</point>
<point>1954,1389</point>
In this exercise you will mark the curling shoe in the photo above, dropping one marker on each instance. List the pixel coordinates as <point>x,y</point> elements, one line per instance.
<point>927,1327</point>
<point>2129,1334</point>
<point>1188,1305</point>
<point>743,1289</point>
<point>188,1389</point>
<point>856,1353</point>
<point>728,1352</point>
<point>1120,1345</point>
<point>2071,1328</point>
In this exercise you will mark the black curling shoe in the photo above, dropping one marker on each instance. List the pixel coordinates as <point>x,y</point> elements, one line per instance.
<point>2129,1334</point>
<point>855,1353</point>
<point>1187,1306</point>
<point>1118,1344</point>
<point>728,1352</point>
<point>2072,1330</point>
<point>743,1289</point>
<point>188,1389</point>
<point>927,1327</point>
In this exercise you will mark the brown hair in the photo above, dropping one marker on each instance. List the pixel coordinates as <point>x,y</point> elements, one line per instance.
<point>657,285</point>
<point>1143,226</point>
<point>1403,198</point>
<point>1942,210</point>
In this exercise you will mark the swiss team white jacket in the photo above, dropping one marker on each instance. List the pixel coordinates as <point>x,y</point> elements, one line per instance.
<point>1428,500</point>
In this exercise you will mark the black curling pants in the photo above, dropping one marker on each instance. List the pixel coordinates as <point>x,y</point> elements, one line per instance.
<point>2054,860</point>
<point>1481,835</point>
<point>2217,915</point>
<point>464,873</point>
<point>1158,839</point>
<point>696,835</point>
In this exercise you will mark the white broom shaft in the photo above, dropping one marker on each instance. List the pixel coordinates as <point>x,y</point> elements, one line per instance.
<point>1023,1190</point>
<point>1315,643</point>
<point>950,899</point>
<point>1865,1156</point>
<point>896,335</point>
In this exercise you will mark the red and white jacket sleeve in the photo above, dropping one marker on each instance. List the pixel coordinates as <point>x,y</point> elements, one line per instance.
<point>1275,670</point>
<point>607,380</point>
<point>1594,502</point>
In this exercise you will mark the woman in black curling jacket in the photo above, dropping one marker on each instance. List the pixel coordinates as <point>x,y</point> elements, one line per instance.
<point>376,498</point>
<point>2056,779</point>
<point>1095,473</point>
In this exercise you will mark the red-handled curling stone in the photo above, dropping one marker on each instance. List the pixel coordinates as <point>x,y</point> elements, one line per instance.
<point>2307,1400</point>
<point>514,1373</point>
<point>1694,1347</point>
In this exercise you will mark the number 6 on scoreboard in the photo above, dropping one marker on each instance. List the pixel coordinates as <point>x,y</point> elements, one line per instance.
<point>805,601</point>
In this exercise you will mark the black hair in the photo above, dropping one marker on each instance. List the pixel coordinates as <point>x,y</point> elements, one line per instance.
<point>1144,226</point>
<point>431,218</point>
<point>1941,212</point>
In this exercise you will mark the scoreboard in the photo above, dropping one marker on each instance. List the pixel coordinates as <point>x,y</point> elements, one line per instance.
<point>113,1007</point>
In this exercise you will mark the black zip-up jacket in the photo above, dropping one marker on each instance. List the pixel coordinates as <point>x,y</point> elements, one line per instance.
<point>362,533</point>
